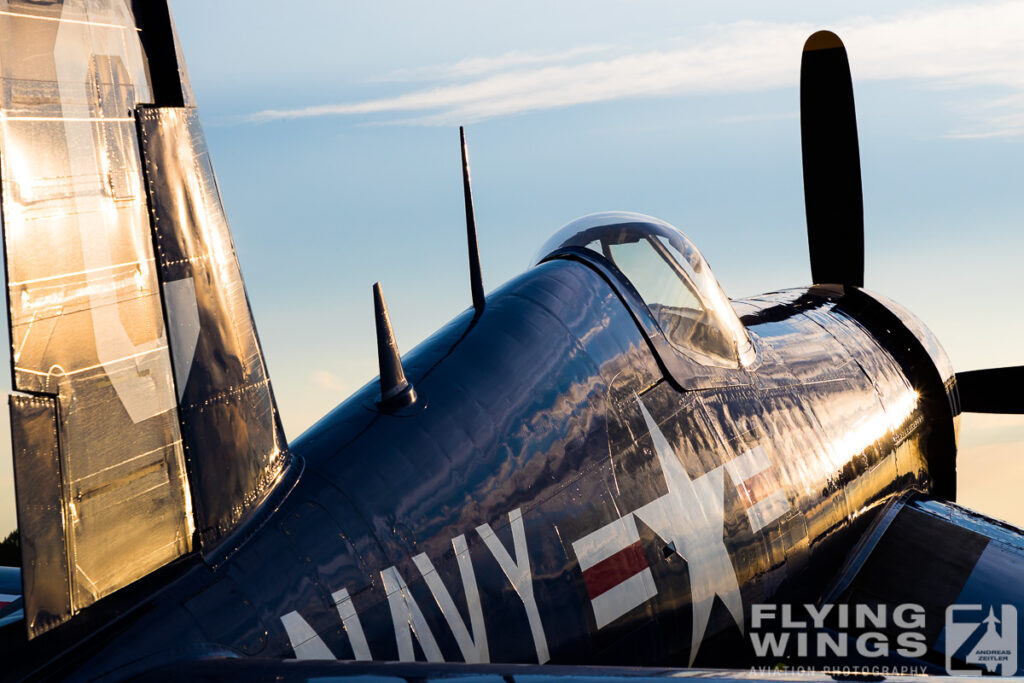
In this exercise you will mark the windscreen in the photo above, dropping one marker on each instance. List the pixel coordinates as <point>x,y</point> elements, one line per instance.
<point>672,278</point>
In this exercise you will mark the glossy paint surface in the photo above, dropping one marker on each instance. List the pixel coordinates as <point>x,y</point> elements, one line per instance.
<point>546,444</point>
<point>953,563</point>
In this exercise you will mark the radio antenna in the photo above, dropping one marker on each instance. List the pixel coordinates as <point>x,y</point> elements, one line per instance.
<point>476,282</point>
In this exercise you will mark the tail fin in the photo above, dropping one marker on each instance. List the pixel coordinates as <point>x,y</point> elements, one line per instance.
<point>145,425</point>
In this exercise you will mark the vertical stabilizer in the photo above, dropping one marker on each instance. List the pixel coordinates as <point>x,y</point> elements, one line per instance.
<point>144,425</point>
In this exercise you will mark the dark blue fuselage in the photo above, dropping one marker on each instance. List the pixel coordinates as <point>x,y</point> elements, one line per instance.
<point>529,436</point>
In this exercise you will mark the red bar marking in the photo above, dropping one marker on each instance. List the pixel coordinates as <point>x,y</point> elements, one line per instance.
<point>758,487</point>
<point>611,571</point>
<point>3,604</point>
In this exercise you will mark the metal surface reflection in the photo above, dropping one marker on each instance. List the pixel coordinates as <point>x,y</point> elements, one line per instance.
<point>230,426</point>
<point>606,462</point>
<point>86,321</point>
<point>93,281</point>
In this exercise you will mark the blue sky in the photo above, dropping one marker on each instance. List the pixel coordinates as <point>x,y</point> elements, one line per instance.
<point>334,135</point>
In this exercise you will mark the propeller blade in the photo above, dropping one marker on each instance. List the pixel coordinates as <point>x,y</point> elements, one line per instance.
<point>831,157</point>
<point>996,390</point>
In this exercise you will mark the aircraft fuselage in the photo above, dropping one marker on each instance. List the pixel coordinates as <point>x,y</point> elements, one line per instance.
<point>553,496</point>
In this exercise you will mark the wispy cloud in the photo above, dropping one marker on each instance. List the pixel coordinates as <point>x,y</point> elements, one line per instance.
<point>953,47</point>
<point>997,118</point>
<point>478,66</point>
<point>731,64</point>
<point>329,381</point>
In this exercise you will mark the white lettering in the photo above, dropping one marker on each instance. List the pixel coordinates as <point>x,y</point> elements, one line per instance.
<point>759,613</point>
<point>881,644</point>
<point>353,627</point>
<point>916,619</point>
<point>305,641</point>
<point>864,615</point>
<point>407,616</point>
<point>763,642</point>
<point>307,644</point>
<point>787,618</point>
<point>518,573</point>
<point>473,647</point>
<point>837,644</point>
<point>801,644</point>
<point>818,617</point>
<point>911,644</point>
<point>139,373</point>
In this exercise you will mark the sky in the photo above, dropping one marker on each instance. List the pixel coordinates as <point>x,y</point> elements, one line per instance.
<point>333,132</point>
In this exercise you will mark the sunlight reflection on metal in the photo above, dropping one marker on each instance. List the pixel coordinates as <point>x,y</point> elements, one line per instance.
<point>86,319</point>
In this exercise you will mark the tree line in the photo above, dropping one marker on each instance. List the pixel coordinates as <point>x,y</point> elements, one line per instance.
<point>10,551</point>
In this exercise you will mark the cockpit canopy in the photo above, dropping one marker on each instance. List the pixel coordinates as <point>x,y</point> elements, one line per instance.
<point>672,278</point>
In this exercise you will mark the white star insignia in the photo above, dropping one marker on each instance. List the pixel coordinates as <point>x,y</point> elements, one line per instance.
<point>690,518</point>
